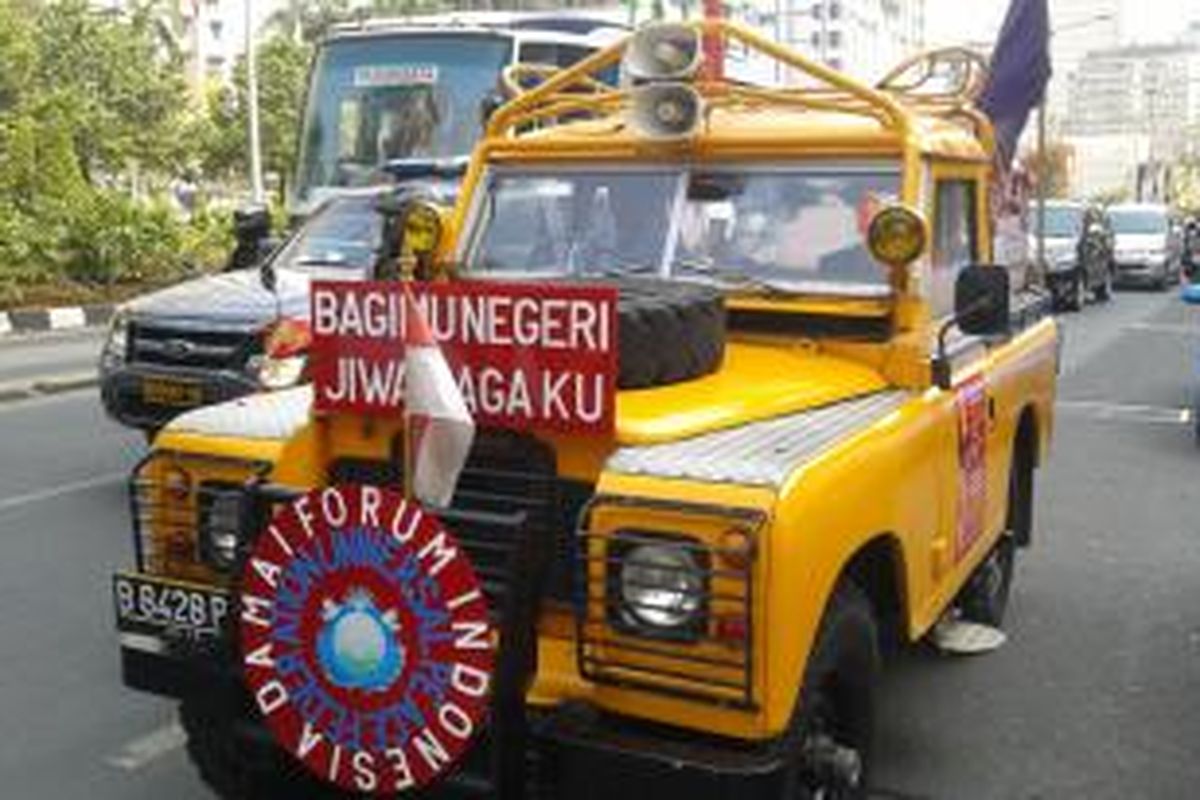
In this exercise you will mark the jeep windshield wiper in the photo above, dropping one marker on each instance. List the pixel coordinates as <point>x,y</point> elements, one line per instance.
<point>731,278</point>
<point>621,270</point>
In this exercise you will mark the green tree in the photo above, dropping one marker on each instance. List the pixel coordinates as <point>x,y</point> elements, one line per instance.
<point>308,20</point>
<point>119,91</point>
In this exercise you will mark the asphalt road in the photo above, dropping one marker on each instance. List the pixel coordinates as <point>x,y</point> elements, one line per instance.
<point>1094,696</point>
<point>42,355</point>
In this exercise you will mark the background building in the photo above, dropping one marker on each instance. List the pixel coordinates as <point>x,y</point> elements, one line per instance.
<point>866,38</point>
<point>1078,28</point>
<point>1131,106</point>
<point>212,36</point>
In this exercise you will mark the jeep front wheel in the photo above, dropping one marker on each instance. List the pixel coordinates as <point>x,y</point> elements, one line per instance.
<point>236,764</point>
<point>832,731</point>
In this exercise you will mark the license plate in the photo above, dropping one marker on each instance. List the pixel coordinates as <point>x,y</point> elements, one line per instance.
<point>166,392</point>
<point>169,609</point>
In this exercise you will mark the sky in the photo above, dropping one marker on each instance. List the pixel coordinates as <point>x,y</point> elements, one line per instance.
<point>951,21</point>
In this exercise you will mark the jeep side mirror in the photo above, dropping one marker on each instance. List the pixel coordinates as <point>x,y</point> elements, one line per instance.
<point>981,308</point>
<point>981,299</point>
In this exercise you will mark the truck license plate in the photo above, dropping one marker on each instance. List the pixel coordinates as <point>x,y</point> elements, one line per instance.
<point>173,609</point>
<point>165,392</point>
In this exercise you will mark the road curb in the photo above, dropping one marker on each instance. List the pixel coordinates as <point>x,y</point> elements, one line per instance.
<point>61,318</point>
<point>65,383</point>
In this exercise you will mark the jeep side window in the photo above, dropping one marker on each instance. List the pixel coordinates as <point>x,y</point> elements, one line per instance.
<point>954,241</point>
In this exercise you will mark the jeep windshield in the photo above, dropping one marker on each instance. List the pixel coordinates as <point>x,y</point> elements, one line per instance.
<point>381,99</point>
<point>778,229</point>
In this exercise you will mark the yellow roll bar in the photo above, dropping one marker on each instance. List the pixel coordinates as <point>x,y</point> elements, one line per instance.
<point>576,87</point>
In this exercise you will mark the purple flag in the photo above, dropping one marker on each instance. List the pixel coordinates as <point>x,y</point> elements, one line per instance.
<point>1020,70</point>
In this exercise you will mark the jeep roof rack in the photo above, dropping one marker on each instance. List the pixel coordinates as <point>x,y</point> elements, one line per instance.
<point>907,92</point>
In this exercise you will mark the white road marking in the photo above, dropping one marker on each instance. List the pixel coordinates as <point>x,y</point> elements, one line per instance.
<point>1100,409</point>
<point>145,749</point>
<point>1163,327</point>
<point>107,479</point>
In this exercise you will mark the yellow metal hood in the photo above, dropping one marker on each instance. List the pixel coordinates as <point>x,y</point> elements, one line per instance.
<point>757,381</point>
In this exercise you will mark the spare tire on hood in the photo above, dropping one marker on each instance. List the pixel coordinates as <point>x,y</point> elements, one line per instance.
<point>668,331</point>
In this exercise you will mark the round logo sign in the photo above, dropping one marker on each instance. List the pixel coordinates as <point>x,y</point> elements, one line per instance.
<point>365,639</point>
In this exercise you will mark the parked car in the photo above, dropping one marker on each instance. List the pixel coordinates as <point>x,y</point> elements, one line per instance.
<point>202,341</point>
<point>1079,253</point>
<point>369,121</point>
<point>1148,245</point>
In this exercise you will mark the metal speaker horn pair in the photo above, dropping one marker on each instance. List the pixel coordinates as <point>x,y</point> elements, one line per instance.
<point>663,51</point>
<point>666,110</point>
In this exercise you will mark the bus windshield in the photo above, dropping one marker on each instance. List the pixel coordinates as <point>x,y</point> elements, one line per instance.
<point>379,99</point>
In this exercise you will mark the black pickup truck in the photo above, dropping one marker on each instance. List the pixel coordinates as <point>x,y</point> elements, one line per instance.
<point>203,341</point>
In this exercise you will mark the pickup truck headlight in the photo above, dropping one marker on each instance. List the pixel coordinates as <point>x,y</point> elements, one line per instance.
<point>285,354</point>
<point>117,344</point>
<point>281,373</point>
<point>660,586</point>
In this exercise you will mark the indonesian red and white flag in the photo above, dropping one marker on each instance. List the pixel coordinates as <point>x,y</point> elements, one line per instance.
<point>440,428</point>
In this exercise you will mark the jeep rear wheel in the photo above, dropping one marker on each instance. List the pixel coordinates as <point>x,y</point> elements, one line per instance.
<point>985,598</point>
<point>834,724</point>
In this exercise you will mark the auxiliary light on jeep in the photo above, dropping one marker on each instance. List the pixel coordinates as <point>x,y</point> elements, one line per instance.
<point>422,228</point>
<point>897,236</point>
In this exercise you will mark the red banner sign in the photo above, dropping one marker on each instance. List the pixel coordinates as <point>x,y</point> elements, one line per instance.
<point>524,356</point>
<point>365,639</point>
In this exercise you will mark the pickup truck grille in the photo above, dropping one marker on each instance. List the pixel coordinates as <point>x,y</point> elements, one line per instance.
<point>180,347</point>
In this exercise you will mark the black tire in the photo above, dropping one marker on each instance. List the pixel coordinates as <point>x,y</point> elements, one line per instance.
<point>985,597</point>
<point>236,768</point>
<point>1077,295</point>
<point>1103,292</point>
<point>833,727</point>
<point>668,332</point>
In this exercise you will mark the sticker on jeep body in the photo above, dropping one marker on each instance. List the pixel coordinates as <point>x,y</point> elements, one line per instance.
<point>365,639</point>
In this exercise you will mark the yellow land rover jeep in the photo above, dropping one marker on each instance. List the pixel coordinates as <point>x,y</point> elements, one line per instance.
<point>827,416</point>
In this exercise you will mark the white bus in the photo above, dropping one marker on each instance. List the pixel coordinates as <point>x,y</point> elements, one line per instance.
<point>395,99</point>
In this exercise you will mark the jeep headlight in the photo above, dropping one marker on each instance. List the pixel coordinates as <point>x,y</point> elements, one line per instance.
<point>660,586</point>
<point>220,526</point>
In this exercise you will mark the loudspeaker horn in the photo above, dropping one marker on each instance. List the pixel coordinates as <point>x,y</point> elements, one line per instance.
<point>666,110</point>
<point>663,51</point>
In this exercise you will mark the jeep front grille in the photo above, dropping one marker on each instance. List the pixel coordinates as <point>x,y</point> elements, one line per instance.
<point>509,480</point>
<point>714,661</point>
<point>184,347</point>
